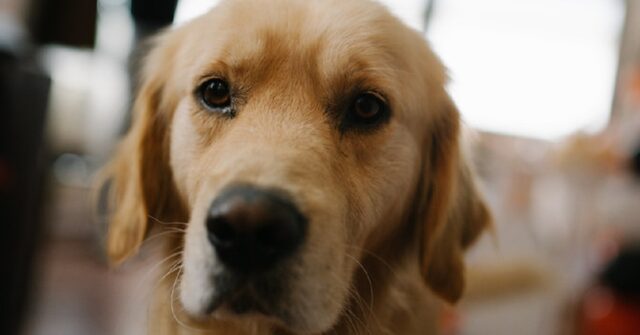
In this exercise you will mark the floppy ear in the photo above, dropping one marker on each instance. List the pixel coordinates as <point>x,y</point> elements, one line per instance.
<point>453,214</point>
<point>139,178</point>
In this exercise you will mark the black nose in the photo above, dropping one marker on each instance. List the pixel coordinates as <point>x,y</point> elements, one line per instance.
<point>252,229</point>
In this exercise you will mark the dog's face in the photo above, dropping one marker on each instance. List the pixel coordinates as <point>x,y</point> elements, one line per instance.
<point>295,136</point>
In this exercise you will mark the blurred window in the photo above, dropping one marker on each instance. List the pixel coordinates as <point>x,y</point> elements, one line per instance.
<point>188,9</point>
<point>534,68</point>
<point>410,10</point>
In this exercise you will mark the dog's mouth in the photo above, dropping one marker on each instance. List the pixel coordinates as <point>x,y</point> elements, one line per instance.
<point>241,295</point>
<point>243,302</point>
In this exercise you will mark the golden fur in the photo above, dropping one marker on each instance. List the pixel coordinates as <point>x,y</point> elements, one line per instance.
<point>390,210</point>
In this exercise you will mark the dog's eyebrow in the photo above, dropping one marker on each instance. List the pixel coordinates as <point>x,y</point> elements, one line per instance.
<point>215,69</point>
<point>358,78</point>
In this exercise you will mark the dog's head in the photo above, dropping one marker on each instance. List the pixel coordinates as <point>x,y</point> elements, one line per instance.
<point>295,137</point>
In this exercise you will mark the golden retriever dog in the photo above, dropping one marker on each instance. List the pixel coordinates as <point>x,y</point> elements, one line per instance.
<point>305,155</point>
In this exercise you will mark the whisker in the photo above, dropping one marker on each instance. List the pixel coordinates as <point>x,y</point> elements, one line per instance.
<point>353,321</point>
<point>353,328</point>
<point>167,223</point>
<point>359,300</point>
<point>366,273</point>
<point>168,231</point>
<point>174,229</point>
<point>173,311</point>
<point>177,265</point>
<point>157,265</point>
<point>376,257</point>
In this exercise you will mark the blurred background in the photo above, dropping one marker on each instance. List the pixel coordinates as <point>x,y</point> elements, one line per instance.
<point>549,88</point>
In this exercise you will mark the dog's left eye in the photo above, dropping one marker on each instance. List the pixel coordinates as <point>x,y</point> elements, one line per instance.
<point>215,94</point>
<point>368,109</point>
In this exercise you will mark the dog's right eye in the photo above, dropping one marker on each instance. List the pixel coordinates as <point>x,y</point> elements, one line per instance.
<point>215,94</point>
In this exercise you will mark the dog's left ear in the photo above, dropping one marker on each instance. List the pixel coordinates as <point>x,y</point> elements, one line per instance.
<point>453,213</point>
<point>139,179</point>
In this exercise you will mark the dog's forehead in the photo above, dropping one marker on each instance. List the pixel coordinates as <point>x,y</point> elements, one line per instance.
<point>303,35</point>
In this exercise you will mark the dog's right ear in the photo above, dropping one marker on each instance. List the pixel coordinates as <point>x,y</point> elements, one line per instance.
<point>138,177</point>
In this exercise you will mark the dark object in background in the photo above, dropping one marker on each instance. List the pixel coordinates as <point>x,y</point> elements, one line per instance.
<point>612,307</point>
<point>634,162</point>
<point>149,17</point>
<point>67,22</point>
<point>23,101</point>
<point>158,13</point>
<point>622,275</point>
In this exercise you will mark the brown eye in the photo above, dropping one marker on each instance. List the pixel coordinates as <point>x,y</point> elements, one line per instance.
<point>215,94</point>
<point>368,109</point>
<point>368,106</point>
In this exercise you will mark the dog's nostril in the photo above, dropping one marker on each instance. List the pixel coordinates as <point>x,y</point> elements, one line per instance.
<point>276,237</point>
<point>221,233</point>
<point>271,235</point>
<point>251,229</point>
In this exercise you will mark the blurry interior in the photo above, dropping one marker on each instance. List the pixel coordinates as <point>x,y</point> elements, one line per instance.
<point>550,91</point>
